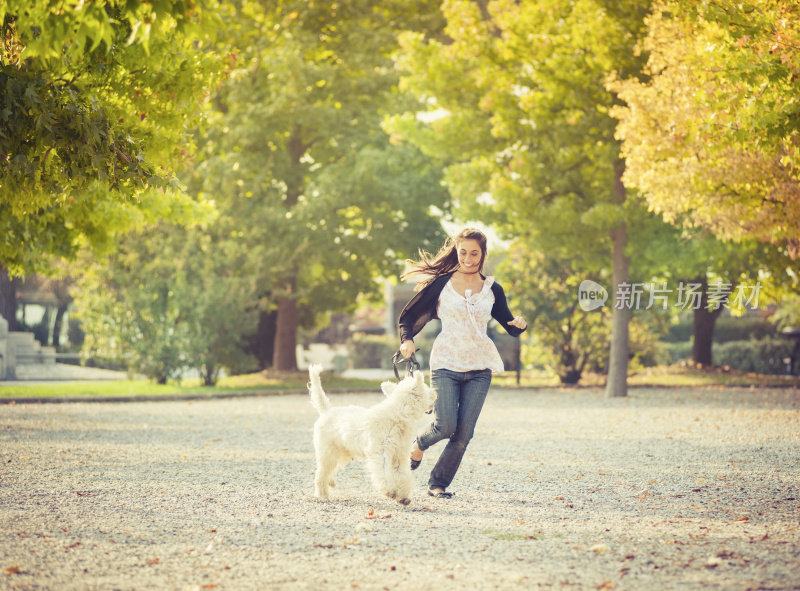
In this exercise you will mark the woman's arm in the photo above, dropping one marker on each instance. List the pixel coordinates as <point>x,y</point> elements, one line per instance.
<point>421,309</point>
<point>514,326</point>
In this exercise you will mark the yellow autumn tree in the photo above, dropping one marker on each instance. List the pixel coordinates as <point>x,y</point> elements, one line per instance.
<point>712,137</point>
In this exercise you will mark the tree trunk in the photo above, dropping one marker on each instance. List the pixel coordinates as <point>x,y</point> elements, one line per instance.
<point>58,325</point>
<point>617,381</point>
<point>61,289</point>
<point>8,298</point>
<point>209,372</point>
<point>262,344</point>
<point>703,328</point>
<point>284,357</point>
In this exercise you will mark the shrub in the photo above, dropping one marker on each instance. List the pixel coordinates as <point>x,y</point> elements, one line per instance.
<point>729,328</point>
<point>674,352</point>
<point>371,351</point>
<point>760,356</point>
<point>726,328</point>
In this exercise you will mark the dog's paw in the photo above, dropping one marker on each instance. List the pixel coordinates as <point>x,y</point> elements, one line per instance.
<point>404,501</point>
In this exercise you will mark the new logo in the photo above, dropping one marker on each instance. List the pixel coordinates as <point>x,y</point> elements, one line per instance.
<point>591,295</point>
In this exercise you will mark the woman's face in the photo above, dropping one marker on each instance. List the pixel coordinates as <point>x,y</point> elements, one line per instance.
<point>469,255</point>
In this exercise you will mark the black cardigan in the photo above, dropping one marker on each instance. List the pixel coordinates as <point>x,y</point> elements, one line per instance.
<point>422,308</point>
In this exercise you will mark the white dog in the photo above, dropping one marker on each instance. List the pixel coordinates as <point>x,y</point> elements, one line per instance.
<point>382,434</point>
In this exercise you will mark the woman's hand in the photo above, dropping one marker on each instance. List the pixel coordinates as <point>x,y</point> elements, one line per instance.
<point>519,322</point>
<point>407,349</point>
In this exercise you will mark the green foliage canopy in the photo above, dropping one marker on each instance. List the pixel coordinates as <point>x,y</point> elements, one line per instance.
<point>519,110</point>
<point>523,115</point>
<point>296,162</point>
<point>96,99</point>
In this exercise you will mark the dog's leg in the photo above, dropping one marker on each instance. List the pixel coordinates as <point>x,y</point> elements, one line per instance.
<point>386,471</point>
<point>327,462</point>
<point>402,481</point>
<point>380,469</point>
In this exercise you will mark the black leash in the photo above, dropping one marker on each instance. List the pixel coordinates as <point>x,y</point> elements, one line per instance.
<point>411,362</point>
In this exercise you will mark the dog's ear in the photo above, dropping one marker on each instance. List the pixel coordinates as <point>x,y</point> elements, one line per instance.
<point>388,387</point>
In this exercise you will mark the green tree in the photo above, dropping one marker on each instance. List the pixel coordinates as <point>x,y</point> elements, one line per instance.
<point>519,109</point>
<point>170,299</point>
<point>296,161</point>
<point>576,340</point>
<point>96,99</point>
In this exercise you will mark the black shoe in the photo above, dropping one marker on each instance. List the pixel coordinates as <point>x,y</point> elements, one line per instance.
<point>440,494</point>
<point>415,463</point>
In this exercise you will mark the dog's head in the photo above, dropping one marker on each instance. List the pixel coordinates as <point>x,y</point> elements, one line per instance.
<point>415,389</point>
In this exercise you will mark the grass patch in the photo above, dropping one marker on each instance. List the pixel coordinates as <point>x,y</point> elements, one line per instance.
<point>251,383</point>
<point>688,375</point>
<point>673,376</point>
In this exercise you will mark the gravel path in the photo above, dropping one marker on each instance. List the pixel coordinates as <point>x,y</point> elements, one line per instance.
<point>666,489</point>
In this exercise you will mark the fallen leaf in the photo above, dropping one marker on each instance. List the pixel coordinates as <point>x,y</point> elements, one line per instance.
<point>14,569</point>
<point>743,518</point>
<point>153,561</point>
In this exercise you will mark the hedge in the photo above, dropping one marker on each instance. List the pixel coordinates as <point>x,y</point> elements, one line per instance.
<point>765,356</point>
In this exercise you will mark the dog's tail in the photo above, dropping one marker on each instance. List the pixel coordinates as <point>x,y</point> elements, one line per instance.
<point>318,397</point>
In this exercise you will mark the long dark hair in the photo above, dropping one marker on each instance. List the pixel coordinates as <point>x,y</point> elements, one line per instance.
<point>446,260</point>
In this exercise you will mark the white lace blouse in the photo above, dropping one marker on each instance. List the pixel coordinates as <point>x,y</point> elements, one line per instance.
<point>463,344</point>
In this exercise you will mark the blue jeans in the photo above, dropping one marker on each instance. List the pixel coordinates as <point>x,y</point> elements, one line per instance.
<point>460,397</point>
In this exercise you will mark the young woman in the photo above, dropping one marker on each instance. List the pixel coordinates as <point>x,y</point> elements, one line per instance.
<point>463,357</point>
